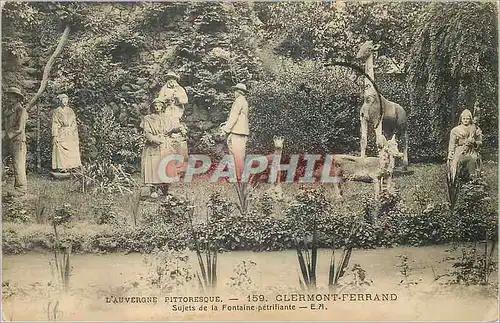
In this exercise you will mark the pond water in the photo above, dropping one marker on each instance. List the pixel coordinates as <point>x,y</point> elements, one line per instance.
<point>30,289</point>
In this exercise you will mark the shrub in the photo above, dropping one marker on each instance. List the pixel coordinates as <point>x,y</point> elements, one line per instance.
<point>105,212</point>
<point>105,178</point>
<point>241,281</point>
<point>314,109</point>
<point>171,210</point>
<point>476,218</point>
<point>473,266</point>
<point>302,214</point>
<point>64,214</point>
<point>434,225</point>
<point>169,270</point>
<point>11,243</point>
<point>405,271</point>
<point>386,222</point>
<point>15,210</point>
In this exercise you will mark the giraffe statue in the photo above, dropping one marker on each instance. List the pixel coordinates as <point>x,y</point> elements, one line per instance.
<point>393,117</point>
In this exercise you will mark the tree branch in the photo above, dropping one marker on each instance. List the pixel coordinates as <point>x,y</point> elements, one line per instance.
<point>48,67</point>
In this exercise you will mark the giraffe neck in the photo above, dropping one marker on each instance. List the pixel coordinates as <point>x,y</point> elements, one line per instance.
<point>369,89</point>
<point>278,152</point>
<point>369,66</point>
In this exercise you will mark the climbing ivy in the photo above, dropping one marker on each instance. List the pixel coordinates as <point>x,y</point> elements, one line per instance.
<point>453,63</point>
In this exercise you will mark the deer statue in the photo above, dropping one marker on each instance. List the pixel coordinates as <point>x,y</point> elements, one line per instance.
<point>377,170</point>
<point>387,155</point>
<point>386,118</point>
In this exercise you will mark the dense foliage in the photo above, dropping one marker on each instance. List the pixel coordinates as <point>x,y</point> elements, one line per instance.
<point>117,55</point>
<point>453,65</point>
<point>299,102</point>
<point>386,223</point>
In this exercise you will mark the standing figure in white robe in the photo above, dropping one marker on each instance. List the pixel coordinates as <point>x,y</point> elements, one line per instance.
<point>65,142</point>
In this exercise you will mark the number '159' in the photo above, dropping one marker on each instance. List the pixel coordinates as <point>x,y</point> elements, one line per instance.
<point>256,298</point>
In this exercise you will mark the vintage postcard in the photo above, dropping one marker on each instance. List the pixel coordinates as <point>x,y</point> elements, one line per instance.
<point>249,161</point>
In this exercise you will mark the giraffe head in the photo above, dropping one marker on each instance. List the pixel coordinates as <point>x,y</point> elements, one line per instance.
<point>278,143</point>
<point>367,49</point>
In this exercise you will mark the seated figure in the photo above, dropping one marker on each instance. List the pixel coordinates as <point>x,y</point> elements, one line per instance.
<point>463,150</point>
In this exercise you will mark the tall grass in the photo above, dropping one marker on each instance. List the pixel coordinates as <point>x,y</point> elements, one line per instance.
<point>243,197</point>
<point>40,210</point>
<point>62,260</point>
<point>308,260</point>
<point>453,186</point>
<point>136,203</point>
<point>207,276</point>
<point>104,177</point>
<point>244,192</point>
<point>53,312</point>
<point>489,264</point>
<point>336,272</point>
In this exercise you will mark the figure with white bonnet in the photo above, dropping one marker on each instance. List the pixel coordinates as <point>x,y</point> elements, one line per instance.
<point>463,149</point>
<point>175,98</point>
<point>65,141</point>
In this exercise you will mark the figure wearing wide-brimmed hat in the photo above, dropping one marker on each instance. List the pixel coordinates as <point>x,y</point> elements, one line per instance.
<point>240,87</point>
<point>15,116</point>
<point>65,141</point>
<point>236,127</point>
<point>13,97</point>
<point>175,98</point>
<point>15,90</point>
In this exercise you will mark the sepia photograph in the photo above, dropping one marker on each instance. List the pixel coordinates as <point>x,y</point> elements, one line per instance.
<point>250,161</point>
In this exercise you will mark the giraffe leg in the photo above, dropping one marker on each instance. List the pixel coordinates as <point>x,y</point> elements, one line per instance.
<point>389,182</point>
<point>336,187</point>
<point>342,186</point>
<point>377,183</point>
<point>380,139</point>
<point>405,151</point>
<point>364,136</point>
